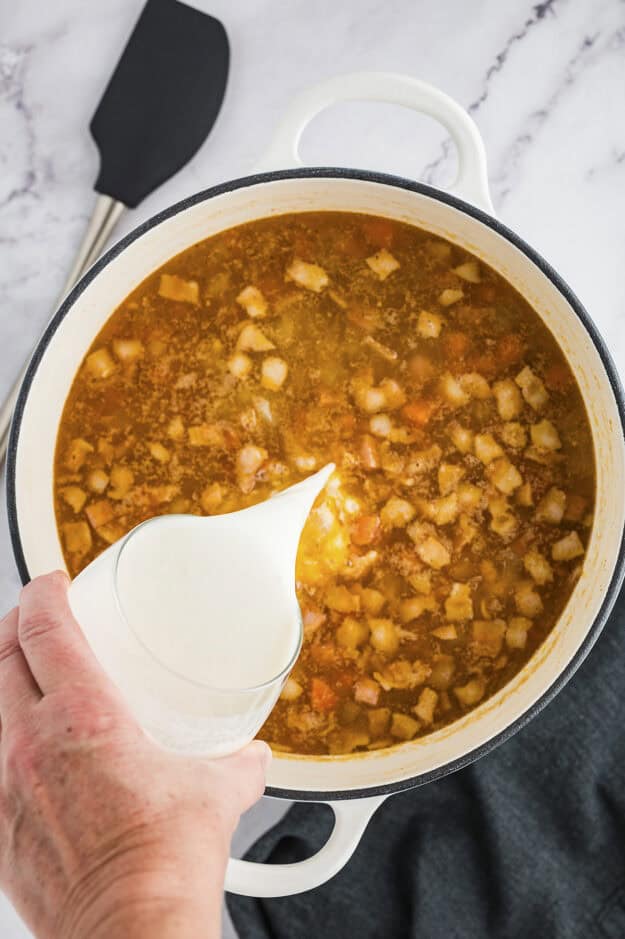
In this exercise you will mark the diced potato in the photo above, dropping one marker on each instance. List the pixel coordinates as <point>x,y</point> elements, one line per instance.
<point>177,288</point>
<point>537,566</point>
<point>426,705</point>
<point>384,636</point>
<point>397,513</point>
<point>468,271</point>
<point>352,632</point>
<point>211,498</point>
<point>516,633</point>
<point>239,365</point>
<point>77,538</point>
<point>383,263</point>
<point>414,607</point>
<point>431,551</point>
<point>532,388</point>
<point>380,425</point>
<point>403,727</point>
<point>486,448</point>
<point>487,636</point>
<point>505,476</point>
<point>253,302</point>
<point>429,325</point>
<point>111,532</point>
<point>370,399</point>
<point>292,690</point>
<point>305,462</point>
<point>503,522</point>
<point>466,532</point>
<point>159,452</point>
<point>203,435</point>
<point>274,372</point>
<point>97,481</point>
<point>372,600</point>
<point>252,339</point>
<point>421,581</point>
<point>77,453</point>
<point>449,475</point>
<point>339,598</point>
<point>393,393</point>
<point>459,603</point>
<point>443,668</point>
<point>508,399</point>
<point>441,511</point>
<point>469,497</point>
<point>128,350</point>
<point>524,495</point>
<point>99,513</point>
<point>545,436</point>
<point>250,459</point>
<point>310,276</point>
<point>379,720</point>
<point>471,693</point>
<point>106,450</point>
<point>461,437</point>
<point>527,600</point>
<point>175,428</point>
<point>367,691</point>
<point>551,507</point>
<point>75,497</point>
<point>100,364</point>
<point>567,548</point>
<point>475,385</point>
<point>513,435</point>
<point>447,633</point>
<point>122,479</point>
<point>453,392</point>
<point>449,296</point>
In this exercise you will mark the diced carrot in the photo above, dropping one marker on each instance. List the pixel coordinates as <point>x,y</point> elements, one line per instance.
<point>322,697</point>
<point>419,412</point>
<point>575,508</point>
<point>485,363</point>
<point>365,318</point>
<point>365,529</point>
<point>509,350</point>
<point>379,232</point>
<point>558,377</point>
<point>456,344</point>
<point>346,423</point>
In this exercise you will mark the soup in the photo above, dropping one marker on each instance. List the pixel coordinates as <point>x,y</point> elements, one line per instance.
<point>450,538</point>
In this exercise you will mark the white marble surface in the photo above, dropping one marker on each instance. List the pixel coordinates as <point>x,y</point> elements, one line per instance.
<point>544,81</point>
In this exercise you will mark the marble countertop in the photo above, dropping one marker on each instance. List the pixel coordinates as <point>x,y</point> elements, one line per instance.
<point>543,80</point>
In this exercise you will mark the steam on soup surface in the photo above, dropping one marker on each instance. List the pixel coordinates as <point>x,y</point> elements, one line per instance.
<point>454,530</point>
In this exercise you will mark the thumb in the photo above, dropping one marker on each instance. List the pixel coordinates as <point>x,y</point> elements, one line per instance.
<point>245,773</point>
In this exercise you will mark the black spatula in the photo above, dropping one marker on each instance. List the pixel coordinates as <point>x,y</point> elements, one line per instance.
<point>157,110</point>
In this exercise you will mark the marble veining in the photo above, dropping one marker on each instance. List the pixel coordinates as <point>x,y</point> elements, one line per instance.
<point>544,81</point>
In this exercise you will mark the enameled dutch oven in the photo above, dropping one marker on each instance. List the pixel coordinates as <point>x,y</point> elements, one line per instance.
<point>355,785</point>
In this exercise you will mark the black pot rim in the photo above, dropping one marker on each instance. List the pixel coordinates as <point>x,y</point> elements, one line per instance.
<point>480,216</point>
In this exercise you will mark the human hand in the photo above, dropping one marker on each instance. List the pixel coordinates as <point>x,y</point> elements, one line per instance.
<point>102,832</point>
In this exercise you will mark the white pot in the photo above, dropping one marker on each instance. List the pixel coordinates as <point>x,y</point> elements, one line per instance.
<point>354,784</point>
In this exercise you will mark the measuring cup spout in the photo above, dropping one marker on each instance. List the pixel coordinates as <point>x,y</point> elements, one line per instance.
<point>283,516</point>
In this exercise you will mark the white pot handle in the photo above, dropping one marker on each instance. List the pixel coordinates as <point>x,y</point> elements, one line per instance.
<point>251,879</point>
<point>471,182</point>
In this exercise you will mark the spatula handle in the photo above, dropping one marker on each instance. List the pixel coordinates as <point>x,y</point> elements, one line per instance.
<point>106,214</point>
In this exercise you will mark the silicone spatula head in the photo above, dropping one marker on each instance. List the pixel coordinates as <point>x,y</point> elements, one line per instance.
<point>162,100</point>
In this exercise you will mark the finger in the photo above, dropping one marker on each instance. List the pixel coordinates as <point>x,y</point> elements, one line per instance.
<point>18,688</point>
<point>52,642</point>
<point>245,773</point>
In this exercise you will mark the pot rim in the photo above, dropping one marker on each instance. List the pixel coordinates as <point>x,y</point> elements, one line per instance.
<point>401,183</point>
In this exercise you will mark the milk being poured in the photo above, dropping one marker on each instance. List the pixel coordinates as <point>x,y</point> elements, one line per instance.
<point>196,619</point>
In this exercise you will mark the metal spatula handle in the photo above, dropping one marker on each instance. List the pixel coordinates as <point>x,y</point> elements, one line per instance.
<point>106,214</point>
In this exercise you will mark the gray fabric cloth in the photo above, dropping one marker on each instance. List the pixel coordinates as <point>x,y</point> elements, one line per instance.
<point>527,842</point>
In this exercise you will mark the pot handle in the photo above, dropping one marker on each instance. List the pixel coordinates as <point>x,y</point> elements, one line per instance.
<point>471,182</point>
<point>252,879</point>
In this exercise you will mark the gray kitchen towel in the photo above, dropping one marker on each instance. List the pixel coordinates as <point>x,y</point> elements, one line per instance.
<point>527,842</point>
